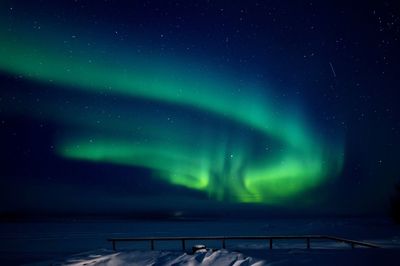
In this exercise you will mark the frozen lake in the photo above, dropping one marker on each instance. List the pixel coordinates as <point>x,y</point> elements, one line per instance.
<point>46,241</point>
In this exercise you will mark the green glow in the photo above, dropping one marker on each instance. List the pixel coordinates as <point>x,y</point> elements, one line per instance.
<point>226,165</point>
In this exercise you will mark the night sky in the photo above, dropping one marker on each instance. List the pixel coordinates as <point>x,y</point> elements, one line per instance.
<point>181,108</point>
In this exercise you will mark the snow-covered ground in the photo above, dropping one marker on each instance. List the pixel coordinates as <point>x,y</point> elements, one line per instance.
<point>58,242</point>
<point>219,257</point>
<point>231,258</point>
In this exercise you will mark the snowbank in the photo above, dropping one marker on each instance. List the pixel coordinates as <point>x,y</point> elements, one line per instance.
<point>220,257</point>
<point>279,257</point>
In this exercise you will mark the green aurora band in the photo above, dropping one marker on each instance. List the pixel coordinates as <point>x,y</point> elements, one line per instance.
<point>269,157</point>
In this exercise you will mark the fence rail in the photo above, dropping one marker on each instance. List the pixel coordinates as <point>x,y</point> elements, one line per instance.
<point>224,239</point>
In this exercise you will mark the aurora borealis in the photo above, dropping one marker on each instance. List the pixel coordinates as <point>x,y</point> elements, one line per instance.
<point>122,95</point>
<point>225,169</point>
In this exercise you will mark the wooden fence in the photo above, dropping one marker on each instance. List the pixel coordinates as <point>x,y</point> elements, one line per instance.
<point>224,239</point>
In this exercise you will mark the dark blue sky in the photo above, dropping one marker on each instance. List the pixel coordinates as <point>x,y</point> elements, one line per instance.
<point>329,68</point>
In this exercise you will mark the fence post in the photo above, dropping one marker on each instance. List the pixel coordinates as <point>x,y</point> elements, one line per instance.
<point>113,245</point>
<point>308,242</point>
<point>270,243</point>
<point>183,245</point>
<point>223,243</point>
<point>152,244</point>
